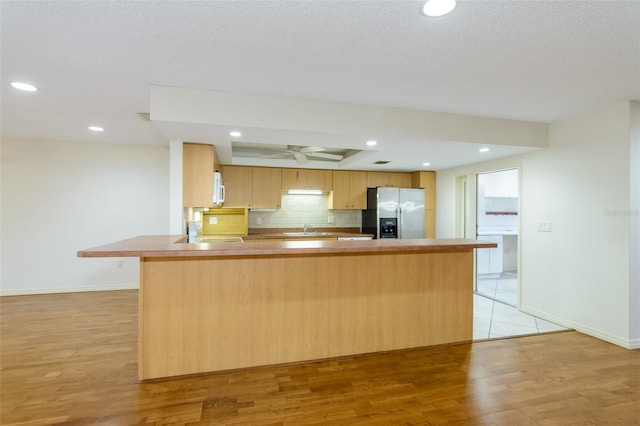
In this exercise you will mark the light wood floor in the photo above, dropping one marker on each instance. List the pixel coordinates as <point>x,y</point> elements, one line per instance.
<point>71,359</point>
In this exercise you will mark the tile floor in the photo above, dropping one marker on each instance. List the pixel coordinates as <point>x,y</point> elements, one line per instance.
<point>495,314</point>
<point>502,287</point>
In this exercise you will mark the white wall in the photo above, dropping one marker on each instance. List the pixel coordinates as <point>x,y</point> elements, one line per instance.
<point>634,224</point>
<point>61,197</point>
<point>579,273</point>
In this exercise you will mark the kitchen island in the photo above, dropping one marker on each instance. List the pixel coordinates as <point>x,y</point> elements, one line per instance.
<point>219,306</point>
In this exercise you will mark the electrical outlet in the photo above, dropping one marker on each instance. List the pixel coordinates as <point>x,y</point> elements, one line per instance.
<point>120,263</point>
<point>331,219</point>
<point>259,220</point>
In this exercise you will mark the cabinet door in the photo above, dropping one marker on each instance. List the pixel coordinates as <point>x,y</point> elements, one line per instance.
<point>489,260</point>
<point>358,190</point>
<point>293,179</point>
<point>375,179</point>
<point>341,195</point>
<point>266,188</point>
<point>427,180</point>
<point>197,175</point>
<point>238,184</point>
<point>319,179</point>
<point>400,180</point>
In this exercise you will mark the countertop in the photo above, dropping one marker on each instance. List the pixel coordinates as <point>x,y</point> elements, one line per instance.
<point>301,236</point>
<point>498,230</point>
<point>265,236</point>
<point>176,246</point>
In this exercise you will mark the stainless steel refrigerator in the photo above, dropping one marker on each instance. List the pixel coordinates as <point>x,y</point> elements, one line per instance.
<point>394,213</point>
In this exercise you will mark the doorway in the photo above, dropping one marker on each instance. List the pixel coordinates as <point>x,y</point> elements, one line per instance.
<point>497,204</point>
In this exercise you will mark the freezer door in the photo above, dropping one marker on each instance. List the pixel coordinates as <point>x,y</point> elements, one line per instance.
<point>387,202</point>
<point>412,214</point>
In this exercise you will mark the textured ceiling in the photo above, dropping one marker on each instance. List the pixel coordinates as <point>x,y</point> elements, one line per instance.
<point>94,61</point>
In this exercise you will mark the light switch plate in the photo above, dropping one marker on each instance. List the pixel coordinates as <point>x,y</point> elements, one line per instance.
<point>544,227</point>
<point>213,220</point>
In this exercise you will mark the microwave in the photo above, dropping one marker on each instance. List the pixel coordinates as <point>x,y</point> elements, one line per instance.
<point>218,189</point>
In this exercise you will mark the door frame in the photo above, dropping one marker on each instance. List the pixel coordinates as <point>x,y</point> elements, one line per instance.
<point>472,224</point>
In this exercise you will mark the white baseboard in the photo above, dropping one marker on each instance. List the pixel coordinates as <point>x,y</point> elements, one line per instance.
<point>31,291</point>
<point>616,340</point>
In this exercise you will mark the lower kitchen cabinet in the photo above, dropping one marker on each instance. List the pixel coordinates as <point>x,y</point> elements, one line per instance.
<point>489,260</point>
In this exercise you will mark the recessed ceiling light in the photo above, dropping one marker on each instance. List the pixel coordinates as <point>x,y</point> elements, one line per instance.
<point>426,164</point>
<point>96,128</point>
<point>436,8</point>
<point>483,150</point>
<point>235,134</point>
<point>24,86</point>
<point>372,143</point>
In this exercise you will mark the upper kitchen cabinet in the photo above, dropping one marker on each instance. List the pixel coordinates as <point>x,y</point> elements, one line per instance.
<point>238,186</point>
<point>393,179</point>
<point>307,179</point>
<point>266,188</point>
<point>427,180</point>
<point>349,190</point>
<point>251,187</point>
<point>198,164</point>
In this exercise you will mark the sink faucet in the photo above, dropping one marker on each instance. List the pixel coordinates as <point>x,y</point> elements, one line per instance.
<point>305,228</point>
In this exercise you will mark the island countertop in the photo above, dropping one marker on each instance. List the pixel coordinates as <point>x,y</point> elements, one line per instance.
<point>176,246</point>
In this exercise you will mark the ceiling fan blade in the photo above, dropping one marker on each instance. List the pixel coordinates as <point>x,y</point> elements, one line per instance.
<point>306,149</point>
<point>325,155</point>
<point>300,158</point>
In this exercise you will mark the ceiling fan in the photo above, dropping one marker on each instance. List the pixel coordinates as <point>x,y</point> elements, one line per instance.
<point>303,153</point>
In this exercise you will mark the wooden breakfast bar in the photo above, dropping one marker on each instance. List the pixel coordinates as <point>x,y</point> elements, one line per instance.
<point>208,307</point>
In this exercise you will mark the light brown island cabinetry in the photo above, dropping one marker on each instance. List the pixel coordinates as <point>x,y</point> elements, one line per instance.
<point>215,307</point>
<point>392,179</point>
<point>306,179</point>
<point>252,187</point>
<point>198,164</point>
<point>349,190</point>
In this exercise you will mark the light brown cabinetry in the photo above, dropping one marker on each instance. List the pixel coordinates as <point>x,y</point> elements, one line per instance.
<point>251,187</point>
<point>349,190</point>
<point>393,179</point>
<point>427,180</point>
<point>266,188</point>
<point>198,165</point>
<point>238,185</point>
<point>306,179</point>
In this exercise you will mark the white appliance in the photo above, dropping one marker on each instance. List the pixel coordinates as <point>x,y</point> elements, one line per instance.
<point>218,189</point>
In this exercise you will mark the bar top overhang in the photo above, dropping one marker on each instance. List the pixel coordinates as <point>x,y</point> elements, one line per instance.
<point>175,246</point>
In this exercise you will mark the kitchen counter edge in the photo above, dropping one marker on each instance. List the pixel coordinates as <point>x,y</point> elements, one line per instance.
<point>176,246</point>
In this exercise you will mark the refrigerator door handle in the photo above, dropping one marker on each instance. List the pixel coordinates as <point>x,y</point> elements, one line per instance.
<point>399,211</point>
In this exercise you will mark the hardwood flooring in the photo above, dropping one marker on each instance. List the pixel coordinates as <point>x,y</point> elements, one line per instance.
<point>71,359</point>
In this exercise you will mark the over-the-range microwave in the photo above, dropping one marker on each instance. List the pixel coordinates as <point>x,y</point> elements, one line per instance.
<point>218,189</point>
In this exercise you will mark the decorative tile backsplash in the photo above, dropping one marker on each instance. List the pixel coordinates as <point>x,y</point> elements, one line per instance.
<point>298,210</point>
